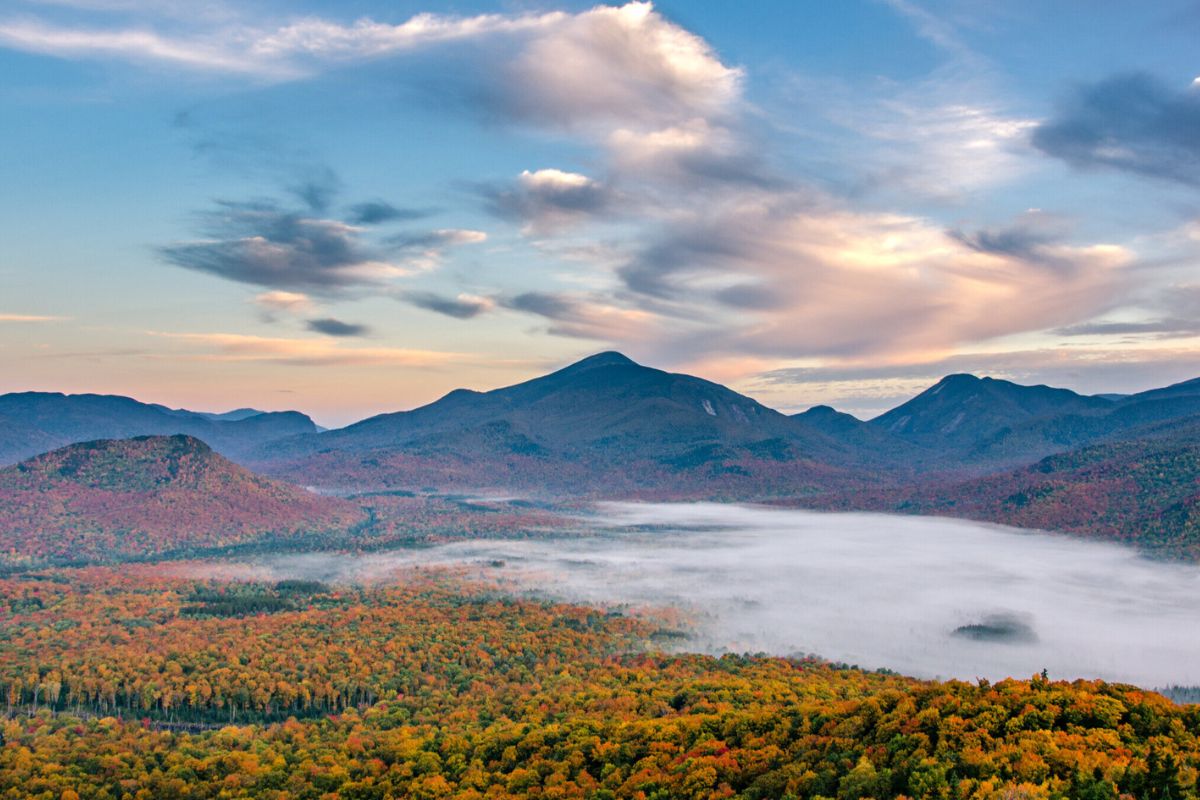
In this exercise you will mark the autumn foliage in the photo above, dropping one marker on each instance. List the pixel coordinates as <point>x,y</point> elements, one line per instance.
<point>137,685</point>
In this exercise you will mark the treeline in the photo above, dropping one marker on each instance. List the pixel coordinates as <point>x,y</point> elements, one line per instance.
<point>435,690</point>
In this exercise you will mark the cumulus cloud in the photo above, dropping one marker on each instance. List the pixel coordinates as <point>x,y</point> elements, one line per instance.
<point>464,306</point>
<point>655,73</point>
<point>1132,122</point>
<point>335,327</point>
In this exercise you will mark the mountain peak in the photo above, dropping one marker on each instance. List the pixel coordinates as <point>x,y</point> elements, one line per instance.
<point>608,358</point>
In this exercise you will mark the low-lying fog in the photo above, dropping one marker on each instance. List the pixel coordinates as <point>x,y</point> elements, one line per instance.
<point>922,596</point>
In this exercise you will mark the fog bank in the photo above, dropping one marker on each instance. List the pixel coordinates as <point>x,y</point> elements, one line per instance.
<point>923,596</point>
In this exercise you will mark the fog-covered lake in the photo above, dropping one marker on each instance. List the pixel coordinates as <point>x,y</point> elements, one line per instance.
<point>923,596</point>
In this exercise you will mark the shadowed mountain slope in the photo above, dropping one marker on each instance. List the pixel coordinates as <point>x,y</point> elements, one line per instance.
<point>604,423</point>
<point>36,422</point>
<point>961,411</point>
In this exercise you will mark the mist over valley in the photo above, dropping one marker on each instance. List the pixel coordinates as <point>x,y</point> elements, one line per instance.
<point>923,596</point>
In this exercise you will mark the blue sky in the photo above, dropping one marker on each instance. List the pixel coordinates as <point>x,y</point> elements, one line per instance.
<point>355,207</point>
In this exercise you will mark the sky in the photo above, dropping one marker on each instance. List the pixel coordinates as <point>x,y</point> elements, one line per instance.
<point>355,207</point>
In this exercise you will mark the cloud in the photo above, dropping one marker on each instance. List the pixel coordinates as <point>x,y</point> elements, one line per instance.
<point>265,245</point>
<point>1170,314</point>
<point>430,240</point>
<point>293,302</point>
<point>464,306</point>
<point>241,47</point>
<point>424,250</point>
<point>832,282</point>
<point>138,45</point>
<point>335,327</point>
<point>324,40</point>
<point>30,318</point>
<point>1163,328</point>
<point>233,348</point>
<point>655,73</point>
<point>1130,122</point>
<point>1034,237</point>
<point>375,212</point>
<point>548,199</point>
<point>544,304</point>
<point>584,317</point>
<point>317,188</point>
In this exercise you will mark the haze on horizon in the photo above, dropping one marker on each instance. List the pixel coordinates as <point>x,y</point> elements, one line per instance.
<point>348,209</point>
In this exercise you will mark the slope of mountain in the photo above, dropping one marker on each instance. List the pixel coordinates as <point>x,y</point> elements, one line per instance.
<point>35,422</point>
<point>148,496</point>
<point>1143,491</point>
<point>603,424</point>
<point>1137,416</point>
<point>960,412</point>
<point>863,437</point>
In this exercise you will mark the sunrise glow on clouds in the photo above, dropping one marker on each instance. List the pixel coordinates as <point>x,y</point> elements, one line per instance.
<point>403,201</point>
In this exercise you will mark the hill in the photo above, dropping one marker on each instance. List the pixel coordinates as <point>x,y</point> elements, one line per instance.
<point>146,497</point>
<point>1143,491</point>
<point>604,424</point>
<point>36,422</point>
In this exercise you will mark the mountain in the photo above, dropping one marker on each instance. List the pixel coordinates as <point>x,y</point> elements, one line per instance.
<point>35,422</point>
<point>962,413</point>
<point>148,496</point>
<point>1132,416</point>
<point>602,424</point>
<point>1143,491</point>
<point>852,432</point>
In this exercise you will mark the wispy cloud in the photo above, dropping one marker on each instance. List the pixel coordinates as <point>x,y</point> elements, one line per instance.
<point>295,250</point>
<point>30,318</point>
<point>1132,122</point>
<point>335,327</point>
<point>278,300</point>
<point>231,347</point>
<point>464,306</point>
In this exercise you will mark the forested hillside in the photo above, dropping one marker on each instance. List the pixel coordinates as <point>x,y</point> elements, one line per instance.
<point>147,497</point>
<point>139,685</point>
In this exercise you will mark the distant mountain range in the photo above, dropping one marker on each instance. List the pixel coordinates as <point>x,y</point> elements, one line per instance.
<point>1119,466</point>
<point>148,496</point>
<point>35,422</point>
